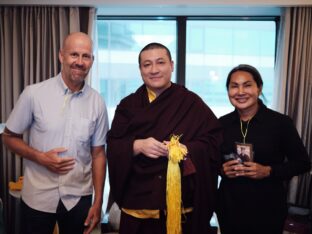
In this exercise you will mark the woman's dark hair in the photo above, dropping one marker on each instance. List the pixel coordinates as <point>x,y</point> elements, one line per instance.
<point>247,68</point>
<point>154,45</point>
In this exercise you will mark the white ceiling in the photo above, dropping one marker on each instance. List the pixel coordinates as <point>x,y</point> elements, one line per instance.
<point>180,3</point>
<point>173,7</point>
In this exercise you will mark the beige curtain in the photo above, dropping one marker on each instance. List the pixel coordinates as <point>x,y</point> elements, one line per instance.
<point>294,67</point>
<point>30,39</point>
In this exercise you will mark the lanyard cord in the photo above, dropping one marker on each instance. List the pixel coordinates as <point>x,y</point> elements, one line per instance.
<point>246,131</point>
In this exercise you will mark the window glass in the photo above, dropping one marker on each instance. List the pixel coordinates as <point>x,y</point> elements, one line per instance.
<point>214,47</point>
<point>119,44</point>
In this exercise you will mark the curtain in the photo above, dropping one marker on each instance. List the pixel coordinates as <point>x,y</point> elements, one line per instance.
<point>294,68</point>
<point>30,39</point>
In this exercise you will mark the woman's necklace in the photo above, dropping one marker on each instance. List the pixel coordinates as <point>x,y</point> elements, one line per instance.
<point>244,133</point>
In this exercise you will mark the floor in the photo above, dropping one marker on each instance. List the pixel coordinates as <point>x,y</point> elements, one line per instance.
<point>97,231</point>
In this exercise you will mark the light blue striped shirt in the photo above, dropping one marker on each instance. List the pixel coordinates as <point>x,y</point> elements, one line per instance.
<point>56,117</point>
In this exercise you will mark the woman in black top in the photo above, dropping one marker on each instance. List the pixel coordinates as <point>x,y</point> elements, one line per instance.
<point>252,194</point>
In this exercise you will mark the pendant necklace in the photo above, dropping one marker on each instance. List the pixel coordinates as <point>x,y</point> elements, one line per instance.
<point>244,133</point>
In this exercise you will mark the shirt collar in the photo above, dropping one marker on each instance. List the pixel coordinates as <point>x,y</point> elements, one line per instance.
<point>259,116</point>
<point>66,90</point>
<point>151,95</point>
<point>260,113</point>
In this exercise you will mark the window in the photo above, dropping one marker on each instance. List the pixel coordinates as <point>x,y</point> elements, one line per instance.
<point>119,44</point>
<point>214,47</point>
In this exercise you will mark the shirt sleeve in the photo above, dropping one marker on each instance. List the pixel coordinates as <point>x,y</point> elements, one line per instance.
<point>297,160</point>
<point>101,126</point>
<point>21,116</point>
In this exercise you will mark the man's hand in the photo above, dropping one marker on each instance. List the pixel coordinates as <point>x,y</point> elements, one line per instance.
<point>92,219</point>
<point>50,159</point>
<point>55,163</point>
<point>150,147</point>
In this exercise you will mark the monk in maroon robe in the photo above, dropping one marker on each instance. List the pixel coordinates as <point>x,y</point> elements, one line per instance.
<point>138,155</point>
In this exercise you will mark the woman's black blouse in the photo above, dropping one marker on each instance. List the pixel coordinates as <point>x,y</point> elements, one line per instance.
<point>275,143</point>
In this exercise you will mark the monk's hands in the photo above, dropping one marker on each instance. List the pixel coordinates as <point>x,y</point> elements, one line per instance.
<point>150,147</point>
<point>55,163</point>
<point>233,169</point>
<point>180,145</point>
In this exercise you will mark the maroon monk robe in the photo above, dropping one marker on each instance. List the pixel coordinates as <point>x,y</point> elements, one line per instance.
<point>139,182</point>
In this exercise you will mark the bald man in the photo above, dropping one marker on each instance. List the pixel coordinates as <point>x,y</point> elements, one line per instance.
<point>65,157</point>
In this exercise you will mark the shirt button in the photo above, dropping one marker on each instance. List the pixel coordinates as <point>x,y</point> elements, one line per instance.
<point>160,177</point>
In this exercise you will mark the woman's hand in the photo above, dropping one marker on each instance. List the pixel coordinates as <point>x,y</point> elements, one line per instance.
<point>256,171</point>
<point>233,169</point>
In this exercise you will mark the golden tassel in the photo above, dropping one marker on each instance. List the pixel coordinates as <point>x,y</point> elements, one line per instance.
<point>176,154</point>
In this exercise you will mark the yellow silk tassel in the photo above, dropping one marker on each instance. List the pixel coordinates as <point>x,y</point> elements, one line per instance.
<point>176,154</point>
